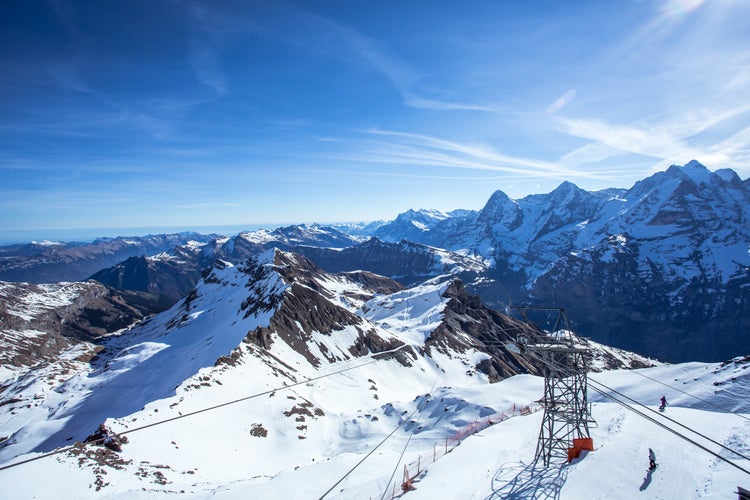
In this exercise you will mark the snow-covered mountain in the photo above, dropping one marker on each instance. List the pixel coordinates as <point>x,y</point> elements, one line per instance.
<point>662,268</point>
<point>249,244</point>
<point>405,261</point>
<point>276,319</point>
<point>40,323</point>
<point>415,225</point>
<point>275,379</point>
<point>51,262</point>
<point>172,274</point>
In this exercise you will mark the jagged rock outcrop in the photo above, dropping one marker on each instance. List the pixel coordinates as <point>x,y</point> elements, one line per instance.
<point>308,307</point>
<point>38,322</point>
<point>467,324</point>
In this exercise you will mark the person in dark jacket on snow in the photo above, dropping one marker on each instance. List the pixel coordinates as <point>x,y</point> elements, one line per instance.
<point>651,459</point>
<point>663,403</point>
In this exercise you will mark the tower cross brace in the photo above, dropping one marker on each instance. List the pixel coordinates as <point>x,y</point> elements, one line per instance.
<point>566,409</point>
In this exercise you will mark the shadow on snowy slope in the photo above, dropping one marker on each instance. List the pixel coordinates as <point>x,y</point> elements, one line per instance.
<point>519,481</point>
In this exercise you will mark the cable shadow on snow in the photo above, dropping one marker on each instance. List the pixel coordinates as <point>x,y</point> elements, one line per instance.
<point>519,481</point>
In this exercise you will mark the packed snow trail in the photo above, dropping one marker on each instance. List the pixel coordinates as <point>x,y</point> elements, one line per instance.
<point>660,414</point>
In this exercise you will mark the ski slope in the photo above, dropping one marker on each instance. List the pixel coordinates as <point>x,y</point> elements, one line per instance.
<point>317,432</point>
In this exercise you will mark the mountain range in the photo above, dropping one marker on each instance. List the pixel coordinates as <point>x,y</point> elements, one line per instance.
<point>662,268</point>
<point>53,261</point>
<point>276,312</point>
<point>276,363</point>
<point>274,377</point>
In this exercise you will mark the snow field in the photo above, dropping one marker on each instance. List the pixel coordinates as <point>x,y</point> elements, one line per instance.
<point>214,454</point>
<point>298,441</point>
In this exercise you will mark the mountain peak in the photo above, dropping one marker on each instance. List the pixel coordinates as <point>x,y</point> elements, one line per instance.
<point>423,214</point>
<point>567,186</point>
<point>566,190</point>
<point>693,170</point>
<point>695,164</point>
<point>500,207</point>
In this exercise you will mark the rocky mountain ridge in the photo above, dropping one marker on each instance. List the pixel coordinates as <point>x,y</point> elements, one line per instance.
<point>284,317</point>
<point>40,322</point>
<point>661,268</point>
<point>52,262</point>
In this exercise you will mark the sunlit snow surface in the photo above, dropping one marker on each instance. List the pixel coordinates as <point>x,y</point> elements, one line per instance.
<point>214,454</point>
<point>277,441</point>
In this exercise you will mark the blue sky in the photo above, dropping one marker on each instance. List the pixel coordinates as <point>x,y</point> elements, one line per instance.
<point>188,113</point>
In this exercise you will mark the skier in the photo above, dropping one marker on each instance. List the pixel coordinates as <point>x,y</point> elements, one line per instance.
<point>663,403</point>
<point>651,460</point>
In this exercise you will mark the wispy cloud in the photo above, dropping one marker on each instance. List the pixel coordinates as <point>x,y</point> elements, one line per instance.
<point>561,102</point>
<point>592,152</point>
<point>687,100</point>
<point>289,24</point>
<point>210,32</point>
<point>402,148</point>
<point>643,140</point>
<point>205,63</point>
<point>671,139</point>
<point>676,8</point>
<point>415,101</point>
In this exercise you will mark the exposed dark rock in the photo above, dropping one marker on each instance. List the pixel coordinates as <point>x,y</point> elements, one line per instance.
<point>467,324</point>
<point>95,311</point>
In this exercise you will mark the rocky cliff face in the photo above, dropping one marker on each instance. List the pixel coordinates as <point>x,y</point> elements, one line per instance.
<point>39,322</point>
<point>469,325</point>
<point>313,311</point>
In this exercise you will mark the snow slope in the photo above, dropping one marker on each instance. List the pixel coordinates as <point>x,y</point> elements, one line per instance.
<point>220,454</point>
<point>342,418</point>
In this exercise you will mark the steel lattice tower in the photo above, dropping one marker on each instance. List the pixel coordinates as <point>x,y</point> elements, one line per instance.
<point>565,401</point>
